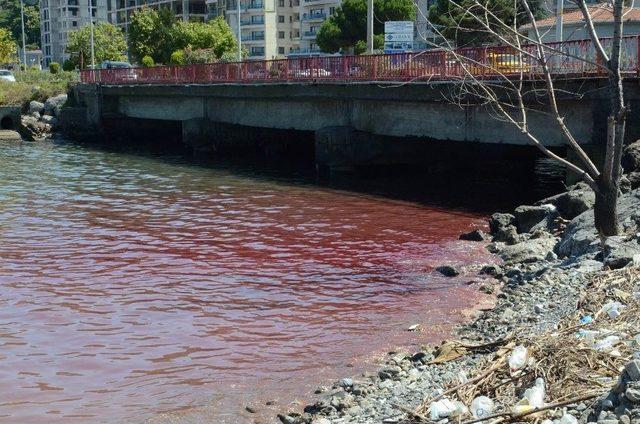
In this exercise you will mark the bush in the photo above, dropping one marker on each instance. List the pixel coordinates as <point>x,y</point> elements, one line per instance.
<point>54,67</point>
<point>147,61</point>
<point>177,57</point>
<point>68,65</point>
<point>35,85</point>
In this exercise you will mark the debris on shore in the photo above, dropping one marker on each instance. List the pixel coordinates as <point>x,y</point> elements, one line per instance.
<point>562,345</point>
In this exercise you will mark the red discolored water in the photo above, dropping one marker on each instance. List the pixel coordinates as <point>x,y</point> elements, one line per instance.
<point>131,286</point>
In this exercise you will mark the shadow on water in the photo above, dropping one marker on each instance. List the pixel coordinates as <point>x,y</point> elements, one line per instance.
<point>470,177</point>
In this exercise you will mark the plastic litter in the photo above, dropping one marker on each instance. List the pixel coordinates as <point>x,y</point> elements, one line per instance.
<point>482,406</point>
<point>588,319</point>
<point>613,309</point>
<point>461,409</point>
<point>607,344</point>
<point>567,419</point>
<point>443,408</point>
<point>518,358</point>
<point>533,398</point>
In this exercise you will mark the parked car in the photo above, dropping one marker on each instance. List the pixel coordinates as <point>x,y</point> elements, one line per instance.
<point>128,74</point>
<point>6,75</point>
<point>314,72</point>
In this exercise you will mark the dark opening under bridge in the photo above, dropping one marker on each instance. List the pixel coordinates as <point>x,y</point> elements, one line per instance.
<point>350,109</point>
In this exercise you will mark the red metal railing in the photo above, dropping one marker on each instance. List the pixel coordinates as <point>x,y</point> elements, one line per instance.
<point>570,58</point>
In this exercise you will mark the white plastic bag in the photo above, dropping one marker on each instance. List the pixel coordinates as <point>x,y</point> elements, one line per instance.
<point>481,407</point>
<point>567,419</point>
<point>533,398</point>
<point>518,358</point>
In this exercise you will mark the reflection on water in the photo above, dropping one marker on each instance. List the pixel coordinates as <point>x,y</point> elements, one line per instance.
<point>132,286</point>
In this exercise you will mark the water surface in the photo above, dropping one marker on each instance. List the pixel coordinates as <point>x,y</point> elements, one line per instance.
<point>131,286</point>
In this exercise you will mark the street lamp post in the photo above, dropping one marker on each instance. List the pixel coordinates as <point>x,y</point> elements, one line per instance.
<point>24,45</point>
<point>239,34</point>
<point>370,26</point>
<point>93,52</point>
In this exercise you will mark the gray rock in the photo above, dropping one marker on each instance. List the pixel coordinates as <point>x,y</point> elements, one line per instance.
<point>492,270</point>
<point>475,235</point>
<point>580,236</point>
<point>528,251</point>
<point>53,102</point>
<point>578,199</point>
<point>529,218</point>
<point>619,252</point>
<point>50,120</point>
<point>499,221</point>
<point>448,271</point>
<point>632,395</point>
<point>633,370</point>
<point>346,382</point>
<point>35,107</point>
<point>631,157</point>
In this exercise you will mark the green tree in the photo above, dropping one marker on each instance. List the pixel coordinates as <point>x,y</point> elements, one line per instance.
<point>459,25</point>
<point>147,62</point>
<point>348,25</point>
<point>8,46</point>
<point>158,34</point>
<point>10,19</point>
<point>109,43</point>
<point>54,67</point>
<point>151,34</point>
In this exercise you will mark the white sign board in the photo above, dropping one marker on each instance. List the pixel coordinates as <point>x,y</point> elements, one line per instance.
<point>398,36</point>
<point>398,27</point>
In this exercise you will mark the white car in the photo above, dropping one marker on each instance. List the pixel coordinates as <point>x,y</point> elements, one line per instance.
<point>7,76</point>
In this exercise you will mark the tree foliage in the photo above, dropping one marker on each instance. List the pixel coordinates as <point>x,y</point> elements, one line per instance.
<point>457,21</point>
<point>109,42</point>
<point>10,19</point>
<point>8,46</point>
<point>348,25</point>
<point>157,33</point>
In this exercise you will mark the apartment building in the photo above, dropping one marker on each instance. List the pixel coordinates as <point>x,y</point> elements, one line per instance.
<point>120,11</point>
<point>269,28</point>
<point>59,17</point>
<point>312,14</point>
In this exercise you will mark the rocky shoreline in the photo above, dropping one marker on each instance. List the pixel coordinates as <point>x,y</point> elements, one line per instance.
<point>550,255</point>
<point>42,120</point>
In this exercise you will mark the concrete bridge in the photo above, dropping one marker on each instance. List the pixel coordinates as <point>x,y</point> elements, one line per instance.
<point>345,124</point>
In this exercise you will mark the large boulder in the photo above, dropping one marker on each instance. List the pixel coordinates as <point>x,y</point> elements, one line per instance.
<point>529,218</point>
<point>578,199</point>
<point>54,102</point>
<point>580,236</point>
<point>503,229</point>
<point>619,251</point>
<point>35,108</point>
<point>532,250</point>
<point>631,157</point>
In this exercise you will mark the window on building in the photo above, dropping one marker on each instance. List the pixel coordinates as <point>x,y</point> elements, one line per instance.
<point>280,34</point>
<point>280,50</point>
<point>296,17</point>
<point>74,11</point>
<point>296,33</point>
<point>281,3</point>
<point>281,19</point>
<point>332,10</point>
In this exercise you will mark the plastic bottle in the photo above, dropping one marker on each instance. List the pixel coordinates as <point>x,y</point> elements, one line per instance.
<point>441,409</point>
<point>518,358</point>
<point>481,407</point>
<point>533,398</point>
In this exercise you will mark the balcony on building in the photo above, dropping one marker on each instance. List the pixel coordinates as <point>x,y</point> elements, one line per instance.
<point>315,16</point>
<point>232,6</point>
<point>259,20</point>
<point>309,35</point>
<point>246,38</point>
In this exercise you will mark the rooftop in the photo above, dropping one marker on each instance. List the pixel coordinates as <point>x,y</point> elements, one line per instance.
<point>599,13</point>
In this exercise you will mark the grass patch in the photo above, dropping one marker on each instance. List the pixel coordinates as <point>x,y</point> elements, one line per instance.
<point>34,85</point>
